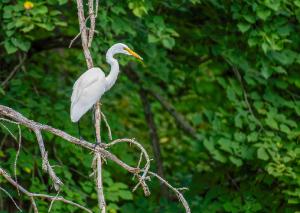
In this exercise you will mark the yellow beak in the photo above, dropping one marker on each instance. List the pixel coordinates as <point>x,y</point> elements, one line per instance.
<point>134,54</point>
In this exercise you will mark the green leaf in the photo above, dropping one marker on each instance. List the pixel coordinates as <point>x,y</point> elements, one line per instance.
<point>263,13</point>
<point>252,137</point>
<point>262,154</point>
<point>284,128</point>
<point>61,2</point>
<point>152,38</point>
<point>266,71</point>
<point>271,122</point>
<point>225,145</point>
<point>249,18</point>
<point>126,195</point>
<point>28,28</point>
<point>168,42</point>
<point>9,47</point>
<point>48,27</point>
<point>39,10</point>
<point>244,27</point>
<point>219,156</point>
<point>236,161</point>
<point>21,44</point>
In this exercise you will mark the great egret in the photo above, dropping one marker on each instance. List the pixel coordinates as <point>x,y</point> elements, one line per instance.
<point>92,84</point>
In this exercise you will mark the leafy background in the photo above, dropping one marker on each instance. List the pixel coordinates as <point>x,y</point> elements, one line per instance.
<point>231,68</point>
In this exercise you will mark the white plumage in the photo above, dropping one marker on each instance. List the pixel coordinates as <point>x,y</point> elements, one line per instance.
<point>87,90</point>
<point>92,84</point>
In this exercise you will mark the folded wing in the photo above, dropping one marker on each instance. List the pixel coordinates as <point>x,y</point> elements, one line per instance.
<point>87,90</point>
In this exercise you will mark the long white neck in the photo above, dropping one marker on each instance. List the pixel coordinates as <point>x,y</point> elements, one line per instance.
<point>114,71</point>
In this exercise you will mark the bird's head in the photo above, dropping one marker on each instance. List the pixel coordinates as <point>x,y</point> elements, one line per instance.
<point>123,49</point>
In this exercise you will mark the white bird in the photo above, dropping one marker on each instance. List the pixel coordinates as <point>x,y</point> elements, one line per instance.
<point>92,84</point>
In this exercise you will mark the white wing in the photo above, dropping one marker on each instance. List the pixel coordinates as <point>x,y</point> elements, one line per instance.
<point>87,90</point>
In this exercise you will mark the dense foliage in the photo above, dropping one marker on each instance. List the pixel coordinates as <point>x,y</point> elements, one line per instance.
<point>230,67</point>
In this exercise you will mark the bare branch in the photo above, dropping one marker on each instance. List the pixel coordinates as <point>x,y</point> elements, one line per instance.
<point>33,195</point>
<point>81,28</point>
<point>98,160</point>
<point>84,37</point>
<point>74,39</point>
<point>15,69</point>
<point>179,118</point>
<point>146,167</point>
<point>239,77</point>
<point>17,155</point>
<point>107,126</point>
<point>51,204</point>
<point>7,193</point>
<point>153,135</point>
<point>96,10</point>
<point>99,184</point>
<point>18,118</point>
<point>177,192</point>
<point>45,162</point>
<point>93,22</point>
<point>7,129</point>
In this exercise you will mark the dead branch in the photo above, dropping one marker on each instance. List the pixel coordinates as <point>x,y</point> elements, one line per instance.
<point>84,38</point>
<point>107,126</point>
<point>93,22</point>
<point>245,94</point>
<point>153,135</point>
<point>179,118</point>
<point>17,118</point>
<point>36,195</point>
<point>45,162</point>
<point>15,69</point>
<point>177,192</point>
<point>10,197</point>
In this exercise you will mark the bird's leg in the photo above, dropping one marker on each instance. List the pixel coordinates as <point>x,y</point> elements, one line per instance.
<point>78,126</point>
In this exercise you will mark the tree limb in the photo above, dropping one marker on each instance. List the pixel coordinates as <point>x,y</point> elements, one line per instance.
<point>15,69</point>
<point>153,135</point>
<point>140,173</point>
<point>179,118</point>
<point>35,195</point>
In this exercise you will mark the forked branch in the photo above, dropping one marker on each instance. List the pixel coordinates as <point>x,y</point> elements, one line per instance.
<point>142,174</point>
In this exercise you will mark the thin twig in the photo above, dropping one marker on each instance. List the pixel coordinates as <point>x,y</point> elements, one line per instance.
<point>7,193</point>
<point>177,192</point>
<point>8,130</point>
<point>107,126</point>
<point>245,94</point>
<point>146,167</point>
<point>13,72</point>
<point>51,204</point>
<point>17,155</point>
<point>75,38</point>
<point>96,10</point>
